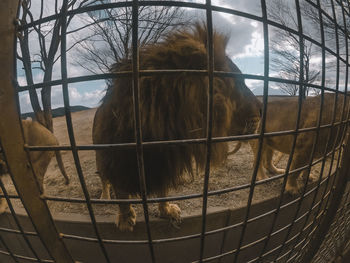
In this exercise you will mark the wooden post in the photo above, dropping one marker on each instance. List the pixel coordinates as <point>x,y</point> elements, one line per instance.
<point>12,141</point>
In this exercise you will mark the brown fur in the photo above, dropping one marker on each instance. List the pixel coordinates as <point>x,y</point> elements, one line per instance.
<point>36,135</point>
<point>282,115</point>
<point>173,107</point>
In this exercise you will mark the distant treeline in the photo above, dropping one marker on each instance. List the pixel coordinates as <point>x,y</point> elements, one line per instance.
<point>56,112</point>
<point>275,97</point>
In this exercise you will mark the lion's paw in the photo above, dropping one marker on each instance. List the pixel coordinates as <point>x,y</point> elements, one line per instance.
<point>293,189</point>
<point>261,175</point>
<point>126,222</point>
<point>172,212</point>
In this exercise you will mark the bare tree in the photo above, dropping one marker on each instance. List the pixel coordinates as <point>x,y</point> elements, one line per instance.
<point>285,47</point>
<point>42,54</point>
<point>111,32</point>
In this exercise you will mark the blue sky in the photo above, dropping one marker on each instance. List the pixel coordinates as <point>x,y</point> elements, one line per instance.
<point>246,51</point>
<point>246,48</point>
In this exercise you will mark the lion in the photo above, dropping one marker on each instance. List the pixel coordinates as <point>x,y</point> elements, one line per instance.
<point>36,134</point>
<point>282,116</point>
<point>173,106</point>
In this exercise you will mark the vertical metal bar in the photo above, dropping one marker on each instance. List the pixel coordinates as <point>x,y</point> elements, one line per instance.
<point>224,237</point>
<point>262,127</point>
<point>70,126</point>
<point>209,127</point>
<point>300,100</point>
<point>137,121</point>
<point>12,142</point>
<point>317,133</point>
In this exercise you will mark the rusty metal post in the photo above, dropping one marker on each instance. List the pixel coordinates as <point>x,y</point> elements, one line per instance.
<point>12,141</point>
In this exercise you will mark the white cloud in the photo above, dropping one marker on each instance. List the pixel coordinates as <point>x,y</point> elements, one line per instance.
<point>246,40</point>
<point>255,48</point>
<point>88,98</point>
<point>251,83</point>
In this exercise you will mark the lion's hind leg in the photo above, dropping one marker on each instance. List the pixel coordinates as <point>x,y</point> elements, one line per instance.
<point>293,185</point>
<point>106,187</point>
<point>278,158</point>
<point>261,173</point>
<point>126,219</point>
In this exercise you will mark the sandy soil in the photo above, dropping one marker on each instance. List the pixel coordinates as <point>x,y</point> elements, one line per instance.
<point>236,171</point>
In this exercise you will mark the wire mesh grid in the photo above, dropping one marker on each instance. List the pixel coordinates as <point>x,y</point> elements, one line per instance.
<point>305,220</point>
<point>336,241</point>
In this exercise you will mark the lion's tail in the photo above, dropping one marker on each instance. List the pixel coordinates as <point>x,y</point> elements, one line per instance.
<point>61,166</point>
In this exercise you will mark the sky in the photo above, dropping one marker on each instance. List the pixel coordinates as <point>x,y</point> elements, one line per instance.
<point>245,48</point>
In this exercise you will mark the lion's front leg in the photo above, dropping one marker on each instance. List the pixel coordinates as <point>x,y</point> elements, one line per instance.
<point>126,219</point>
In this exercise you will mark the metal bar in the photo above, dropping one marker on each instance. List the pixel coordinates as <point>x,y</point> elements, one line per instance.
<point>209,124</point>
<point>170,3</point>
<point>225,235</point>
<point>16,257</point>
<point>258,259</point>
<point>291,154</point>
<point>13,231</point>
<point>9,252</point>
<point>262,128</point>
<point>63,17</point>
<point>206,233</point>
<point>171,198</point>
<point>12,142</point>
<point>318,125</point>
<point>247,246</point>
<point>103,76</point>
<point>137,121</point>
<point>180,142</point>
<point>15,218</point>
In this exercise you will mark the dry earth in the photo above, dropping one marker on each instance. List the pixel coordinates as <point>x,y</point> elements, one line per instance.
<point>236,171</point>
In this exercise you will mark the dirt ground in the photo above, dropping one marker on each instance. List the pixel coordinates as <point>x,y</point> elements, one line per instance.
<point>236,171</point>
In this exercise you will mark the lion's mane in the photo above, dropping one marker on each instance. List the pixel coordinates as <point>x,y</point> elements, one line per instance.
<point>173,107</point>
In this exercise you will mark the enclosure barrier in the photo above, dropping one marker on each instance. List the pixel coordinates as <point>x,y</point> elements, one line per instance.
<point>296,226</point>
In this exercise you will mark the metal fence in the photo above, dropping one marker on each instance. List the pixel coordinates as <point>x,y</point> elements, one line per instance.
<point>328,197</point>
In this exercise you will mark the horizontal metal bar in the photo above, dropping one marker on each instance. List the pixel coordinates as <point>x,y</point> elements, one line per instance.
<point>200,72</point>
<point>181,142</point>
<point>14,231</point>
<point>198,235</point>
<point>27,258</point>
